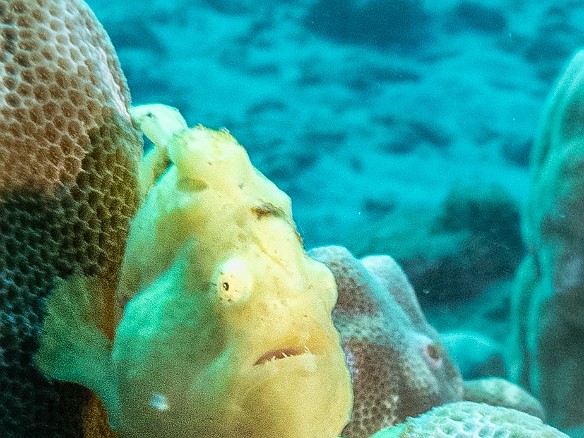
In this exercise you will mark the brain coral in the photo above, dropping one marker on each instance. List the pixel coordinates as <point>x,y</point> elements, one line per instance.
<point>68,163</point>
<point>397,363</point>
<point>468,420</point>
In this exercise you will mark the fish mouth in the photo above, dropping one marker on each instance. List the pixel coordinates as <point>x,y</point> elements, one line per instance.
<point>281,353</point>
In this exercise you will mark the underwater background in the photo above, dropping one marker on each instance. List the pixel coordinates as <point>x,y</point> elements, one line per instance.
<point>172,293</point>
<point>356,109</point>
<point>399,127</point>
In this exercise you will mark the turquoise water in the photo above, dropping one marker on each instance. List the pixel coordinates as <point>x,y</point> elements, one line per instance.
<point>370,105</point>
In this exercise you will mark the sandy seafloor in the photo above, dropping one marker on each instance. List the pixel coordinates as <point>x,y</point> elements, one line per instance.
<point>369,113</point>
<point>355,108</point>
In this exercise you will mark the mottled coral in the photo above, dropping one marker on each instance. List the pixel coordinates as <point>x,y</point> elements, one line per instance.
<point>469,420</point>
<point>397,363</point>
<point>547,355</point>
<point>68,162</point>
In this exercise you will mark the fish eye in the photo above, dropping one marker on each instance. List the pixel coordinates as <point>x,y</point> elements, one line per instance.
<point>234,282</point>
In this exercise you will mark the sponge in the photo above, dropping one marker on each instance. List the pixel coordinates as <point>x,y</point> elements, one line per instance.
<point>547,351</point>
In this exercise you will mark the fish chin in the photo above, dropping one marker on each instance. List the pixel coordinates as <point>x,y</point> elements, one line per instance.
<point>295,396</point>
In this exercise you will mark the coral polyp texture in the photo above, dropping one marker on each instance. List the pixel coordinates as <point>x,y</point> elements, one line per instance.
<point>547,355</point>
<point>468,420</point>
<point>225,325</point>
<point>397,363</point>
<point>68,186</point>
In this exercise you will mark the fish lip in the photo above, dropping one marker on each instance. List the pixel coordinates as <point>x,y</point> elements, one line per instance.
<point>281,353</point>
<point>304,343</point>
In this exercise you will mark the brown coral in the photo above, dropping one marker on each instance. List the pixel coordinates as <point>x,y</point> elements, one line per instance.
<point>68,164</point>
<point>397,363</point>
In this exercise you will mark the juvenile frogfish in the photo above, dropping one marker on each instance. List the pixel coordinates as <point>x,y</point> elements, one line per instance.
<point>224,322</point>
<point>398,365</point>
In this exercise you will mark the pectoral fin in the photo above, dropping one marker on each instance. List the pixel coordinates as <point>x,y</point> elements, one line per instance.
<point>72,348</point>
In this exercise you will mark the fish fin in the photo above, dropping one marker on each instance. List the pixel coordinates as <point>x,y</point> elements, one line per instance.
<point>160,123</point>
<point>72,348</point>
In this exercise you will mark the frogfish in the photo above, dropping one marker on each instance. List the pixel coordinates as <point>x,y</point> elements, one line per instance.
<point>223,322</point>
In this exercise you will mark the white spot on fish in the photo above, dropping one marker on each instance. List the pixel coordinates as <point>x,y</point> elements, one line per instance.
<point>159,402</point>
